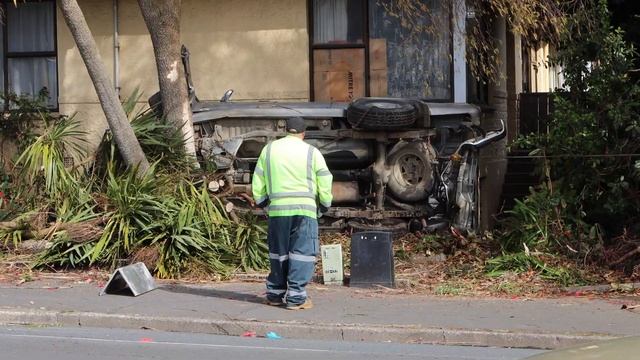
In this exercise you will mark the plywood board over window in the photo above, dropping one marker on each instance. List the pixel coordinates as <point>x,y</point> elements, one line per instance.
<point>378,67</point>
<point>338,74</point>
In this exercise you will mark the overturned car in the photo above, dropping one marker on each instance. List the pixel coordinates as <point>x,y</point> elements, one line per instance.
<point>397,164</point>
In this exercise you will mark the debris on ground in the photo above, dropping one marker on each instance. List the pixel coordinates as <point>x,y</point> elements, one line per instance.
<point>272,335</point>
<point>425,264</point>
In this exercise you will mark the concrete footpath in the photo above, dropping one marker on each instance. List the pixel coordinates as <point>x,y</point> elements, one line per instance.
<point>340,313</point>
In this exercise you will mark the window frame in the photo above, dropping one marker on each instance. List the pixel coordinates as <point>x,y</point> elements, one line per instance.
<point>313,46</point>
<point>28,54</point>
<point>366,48</point>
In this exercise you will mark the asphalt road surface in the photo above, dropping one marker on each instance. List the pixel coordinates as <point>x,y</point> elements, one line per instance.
<point>27,343</point>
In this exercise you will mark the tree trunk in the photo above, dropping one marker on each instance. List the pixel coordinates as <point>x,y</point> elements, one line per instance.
<point>162,18</point>
<point>123,134</point>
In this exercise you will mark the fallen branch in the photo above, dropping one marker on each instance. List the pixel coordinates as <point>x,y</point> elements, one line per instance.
<point>602,288</point>
<point>38,239</point>
<point>627,307</point>
<point>17,223</point>
<point>626,256</point>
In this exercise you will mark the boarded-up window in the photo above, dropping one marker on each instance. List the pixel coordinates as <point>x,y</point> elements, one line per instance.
<point>339,66</point>
<point>338,74</point>
<point>410,53</point>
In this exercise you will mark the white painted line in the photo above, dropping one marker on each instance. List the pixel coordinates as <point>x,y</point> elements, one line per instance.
<point>238,347</point>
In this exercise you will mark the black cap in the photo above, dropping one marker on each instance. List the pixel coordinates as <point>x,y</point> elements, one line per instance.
<point>296,125</point>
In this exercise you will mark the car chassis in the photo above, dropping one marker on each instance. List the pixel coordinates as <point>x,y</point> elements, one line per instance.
<point>422,176</point>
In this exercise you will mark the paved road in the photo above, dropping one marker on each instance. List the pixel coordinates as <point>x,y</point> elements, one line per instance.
<point>21,343</point>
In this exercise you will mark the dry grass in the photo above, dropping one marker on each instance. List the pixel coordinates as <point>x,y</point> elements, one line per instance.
<point>421,269</point>
<point>418,270</point>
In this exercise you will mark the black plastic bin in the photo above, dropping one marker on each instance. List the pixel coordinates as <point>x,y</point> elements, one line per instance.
<point>372,259</point>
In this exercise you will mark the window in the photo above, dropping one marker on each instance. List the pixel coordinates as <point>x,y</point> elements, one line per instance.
<point>368,48</point>
<point>338,22</point>
<point>338,50</point>
<point>419,47</point>
<point>29,65</point>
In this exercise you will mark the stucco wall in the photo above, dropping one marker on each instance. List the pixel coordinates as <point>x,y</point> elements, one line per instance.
<point>259,48</point>
<point>75,88</point>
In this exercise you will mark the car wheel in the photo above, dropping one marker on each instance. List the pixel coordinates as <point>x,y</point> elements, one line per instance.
<point>381,114</point>
<point>410,172</point>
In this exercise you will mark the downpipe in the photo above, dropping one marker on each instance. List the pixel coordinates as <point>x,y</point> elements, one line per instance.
<point>116,49</point>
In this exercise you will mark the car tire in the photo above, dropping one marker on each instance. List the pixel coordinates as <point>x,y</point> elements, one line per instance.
<point>410,171</point>
<point>381,114</point>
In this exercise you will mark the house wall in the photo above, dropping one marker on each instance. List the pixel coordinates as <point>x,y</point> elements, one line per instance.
<point>76,92</point>
<point>514,83</point>
<point>545,77</point>
<point>259,48</point>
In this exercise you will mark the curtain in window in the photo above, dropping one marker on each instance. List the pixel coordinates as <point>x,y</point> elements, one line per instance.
<point>331,23</point>
<point>31,76</point>
<point>30,29</point>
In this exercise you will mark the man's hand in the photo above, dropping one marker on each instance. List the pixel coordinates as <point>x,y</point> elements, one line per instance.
<point>323,209</point>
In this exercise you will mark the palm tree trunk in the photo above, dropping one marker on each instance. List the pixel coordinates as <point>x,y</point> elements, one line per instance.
<point>123,134</point>
<point>162,18</point>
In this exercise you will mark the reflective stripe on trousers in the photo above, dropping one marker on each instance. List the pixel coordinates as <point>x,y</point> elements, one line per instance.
<point>293,246</point>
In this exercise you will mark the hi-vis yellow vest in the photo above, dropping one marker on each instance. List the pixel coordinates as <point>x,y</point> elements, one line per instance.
<point>293,176</point>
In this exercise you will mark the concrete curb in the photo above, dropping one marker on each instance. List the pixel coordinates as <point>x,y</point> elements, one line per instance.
<point>301,330</point>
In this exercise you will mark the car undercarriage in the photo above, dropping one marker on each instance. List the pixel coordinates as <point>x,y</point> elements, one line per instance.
<point>418,177</point>
<point>397,164</point>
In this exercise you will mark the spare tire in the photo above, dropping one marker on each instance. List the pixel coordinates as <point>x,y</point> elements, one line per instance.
<point>381,113</point>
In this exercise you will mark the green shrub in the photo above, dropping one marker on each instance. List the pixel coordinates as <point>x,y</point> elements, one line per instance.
<point>109,215</point>
<point>592,190</point>
<point>521,262</point>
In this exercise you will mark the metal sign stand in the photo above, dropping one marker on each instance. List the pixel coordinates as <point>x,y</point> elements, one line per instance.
<point>131,279</point>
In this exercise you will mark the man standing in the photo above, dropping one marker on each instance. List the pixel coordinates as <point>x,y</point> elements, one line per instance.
<point>292,181</point>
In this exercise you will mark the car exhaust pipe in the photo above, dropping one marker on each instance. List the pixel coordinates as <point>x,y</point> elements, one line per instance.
<point>477,144</point>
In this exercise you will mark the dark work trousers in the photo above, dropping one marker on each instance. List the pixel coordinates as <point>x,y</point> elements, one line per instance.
<point>293,246</point>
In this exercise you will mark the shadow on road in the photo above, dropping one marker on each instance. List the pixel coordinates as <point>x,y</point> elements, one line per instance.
<point>217,293</point>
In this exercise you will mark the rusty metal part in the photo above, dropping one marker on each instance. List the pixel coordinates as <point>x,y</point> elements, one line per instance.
<point>345,192</point>
<point>399,204</point>
<point>384,135</point>
<point>380,174</point>
<point>389,224</point>
<point>242,188</point>
<point>346,212</point>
